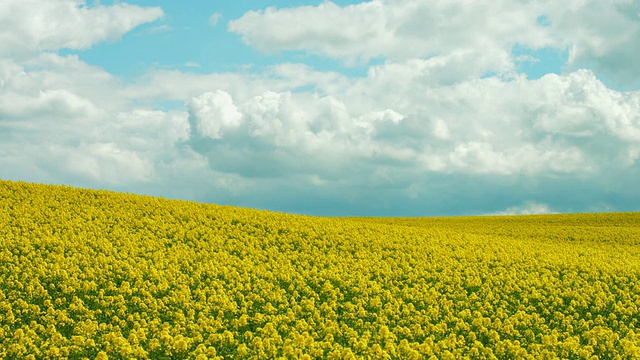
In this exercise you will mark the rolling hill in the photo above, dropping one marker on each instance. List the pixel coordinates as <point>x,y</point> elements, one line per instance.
<point>99,274</point>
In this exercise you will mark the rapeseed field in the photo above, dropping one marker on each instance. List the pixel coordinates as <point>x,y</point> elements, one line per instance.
<point>104,275</point>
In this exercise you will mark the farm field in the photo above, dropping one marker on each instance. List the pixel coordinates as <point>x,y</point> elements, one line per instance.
<point>98,274</point>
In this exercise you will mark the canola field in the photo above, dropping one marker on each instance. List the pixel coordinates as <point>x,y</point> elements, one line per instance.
<point>105,275</point>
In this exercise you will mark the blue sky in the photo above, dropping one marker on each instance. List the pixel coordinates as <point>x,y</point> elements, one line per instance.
<point>383,107</point>
<point>197,35</point>
<point>199,40</point>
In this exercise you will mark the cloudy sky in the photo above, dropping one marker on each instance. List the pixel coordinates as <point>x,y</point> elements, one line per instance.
<point>382,107</point>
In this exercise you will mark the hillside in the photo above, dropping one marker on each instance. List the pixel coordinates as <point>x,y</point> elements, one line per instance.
<point>98,274</point>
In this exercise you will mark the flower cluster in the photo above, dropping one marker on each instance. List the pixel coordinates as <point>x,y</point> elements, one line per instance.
<point>103,275</point>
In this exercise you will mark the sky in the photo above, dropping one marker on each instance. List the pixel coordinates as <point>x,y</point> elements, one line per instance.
<point>363,108</point>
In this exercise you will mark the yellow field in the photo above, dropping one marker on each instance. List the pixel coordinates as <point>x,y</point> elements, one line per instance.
<point>96,274</point>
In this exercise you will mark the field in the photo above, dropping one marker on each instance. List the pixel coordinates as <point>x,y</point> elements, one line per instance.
<point>97,274</point>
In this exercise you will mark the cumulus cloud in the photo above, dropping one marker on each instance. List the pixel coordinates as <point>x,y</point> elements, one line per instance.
<point>396,29</point>
<point>102,163</point>
<point>40,25</point>
<point>522,132</point>
<point>212,112</point>
<point>242,85</point>
<point>444,125</point>
<point>601,35</point>
<point>558,128</point>
<point>61,121</point>
<point>597,33</point>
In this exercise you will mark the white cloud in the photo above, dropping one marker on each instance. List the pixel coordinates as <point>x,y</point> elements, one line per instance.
<point>37,25</point>
<point>61,120</point>
<point>425,132</point>
<point>103,163</point>
<point>52,72</point>
<point>526,59</point>
<point>214,19</point>
<point>407,137</point>
<point>242,85</point>
<point>396,29</point>
<point>528,208</point>
<point>213,112</point>
<point>157,29</point>
<point>602,34</point>
<point>486,126</point>
<point>48,102</point>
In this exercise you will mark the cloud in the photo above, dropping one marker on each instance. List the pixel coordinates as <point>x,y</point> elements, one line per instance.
<point>396,136</point>
<point>39,25</point>
<point>242,85</point>
<point>212,112</point>
<point>215,18</point>
<point>557,130</point>
<point>528,208</point>
<point>596,33</point>
<point>157,29</point>
<point>602,36</point>
<point>103,163</point>
<point>61,120</point>
<point>396,30</point>
<point>444,125</point>
<point>398,141</point>
<point>52,72</point>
